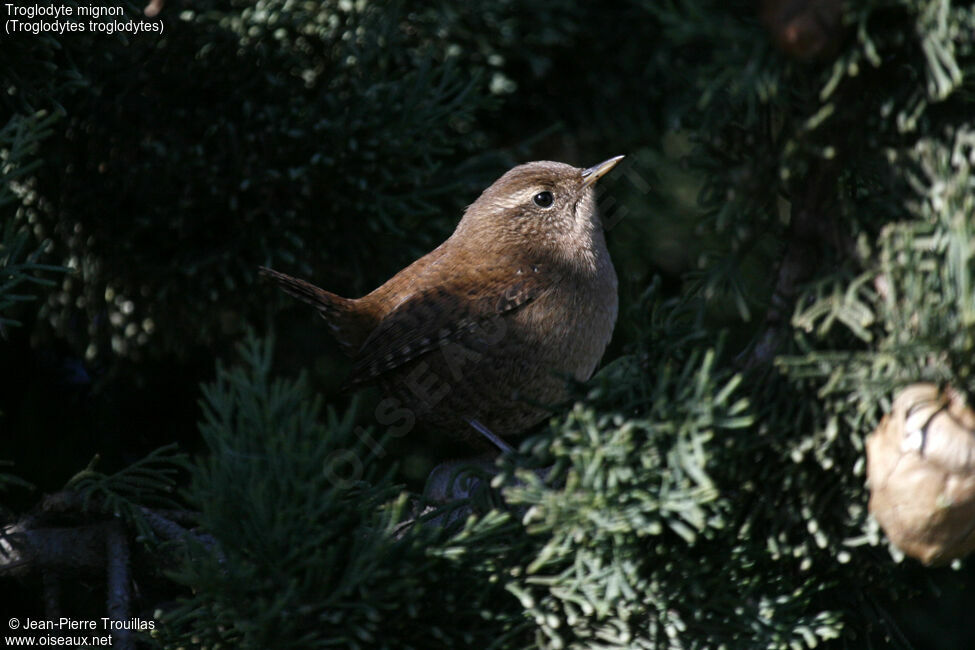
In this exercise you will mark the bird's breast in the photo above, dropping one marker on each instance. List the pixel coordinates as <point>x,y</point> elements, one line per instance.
<point>570,326</point>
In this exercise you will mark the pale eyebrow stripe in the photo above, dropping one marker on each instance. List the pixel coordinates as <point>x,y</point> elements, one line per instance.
<point>522,197</point>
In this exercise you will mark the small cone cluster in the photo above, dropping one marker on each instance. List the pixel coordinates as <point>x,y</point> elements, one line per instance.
<point>921,474</point>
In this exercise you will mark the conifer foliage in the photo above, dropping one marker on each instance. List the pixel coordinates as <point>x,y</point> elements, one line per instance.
<point>793,230</point>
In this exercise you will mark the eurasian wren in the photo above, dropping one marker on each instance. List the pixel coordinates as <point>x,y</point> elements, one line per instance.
<point>484,330</point>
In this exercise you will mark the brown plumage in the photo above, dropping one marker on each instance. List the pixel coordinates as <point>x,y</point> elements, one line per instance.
<point>486,328</point>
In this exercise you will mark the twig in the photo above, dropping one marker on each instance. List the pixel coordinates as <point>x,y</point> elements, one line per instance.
<point>52,595</point>
<point>812,229</point>
<point>119,584</point>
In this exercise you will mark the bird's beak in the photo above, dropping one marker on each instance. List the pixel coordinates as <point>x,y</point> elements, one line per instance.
<point>594,173</point>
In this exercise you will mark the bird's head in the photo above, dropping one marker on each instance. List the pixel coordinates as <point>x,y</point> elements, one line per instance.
<point>548,207</point>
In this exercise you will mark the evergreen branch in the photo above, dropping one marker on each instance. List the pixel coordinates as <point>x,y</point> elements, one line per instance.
<point>150,481</point>
<point>7,480</point>
<point>19,141</point>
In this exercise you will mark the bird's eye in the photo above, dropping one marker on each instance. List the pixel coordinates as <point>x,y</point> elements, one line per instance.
<point>543,199</point>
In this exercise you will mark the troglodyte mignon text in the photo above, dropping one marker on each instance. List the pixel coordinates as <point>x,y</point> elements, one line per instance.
<point>482,332</point>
